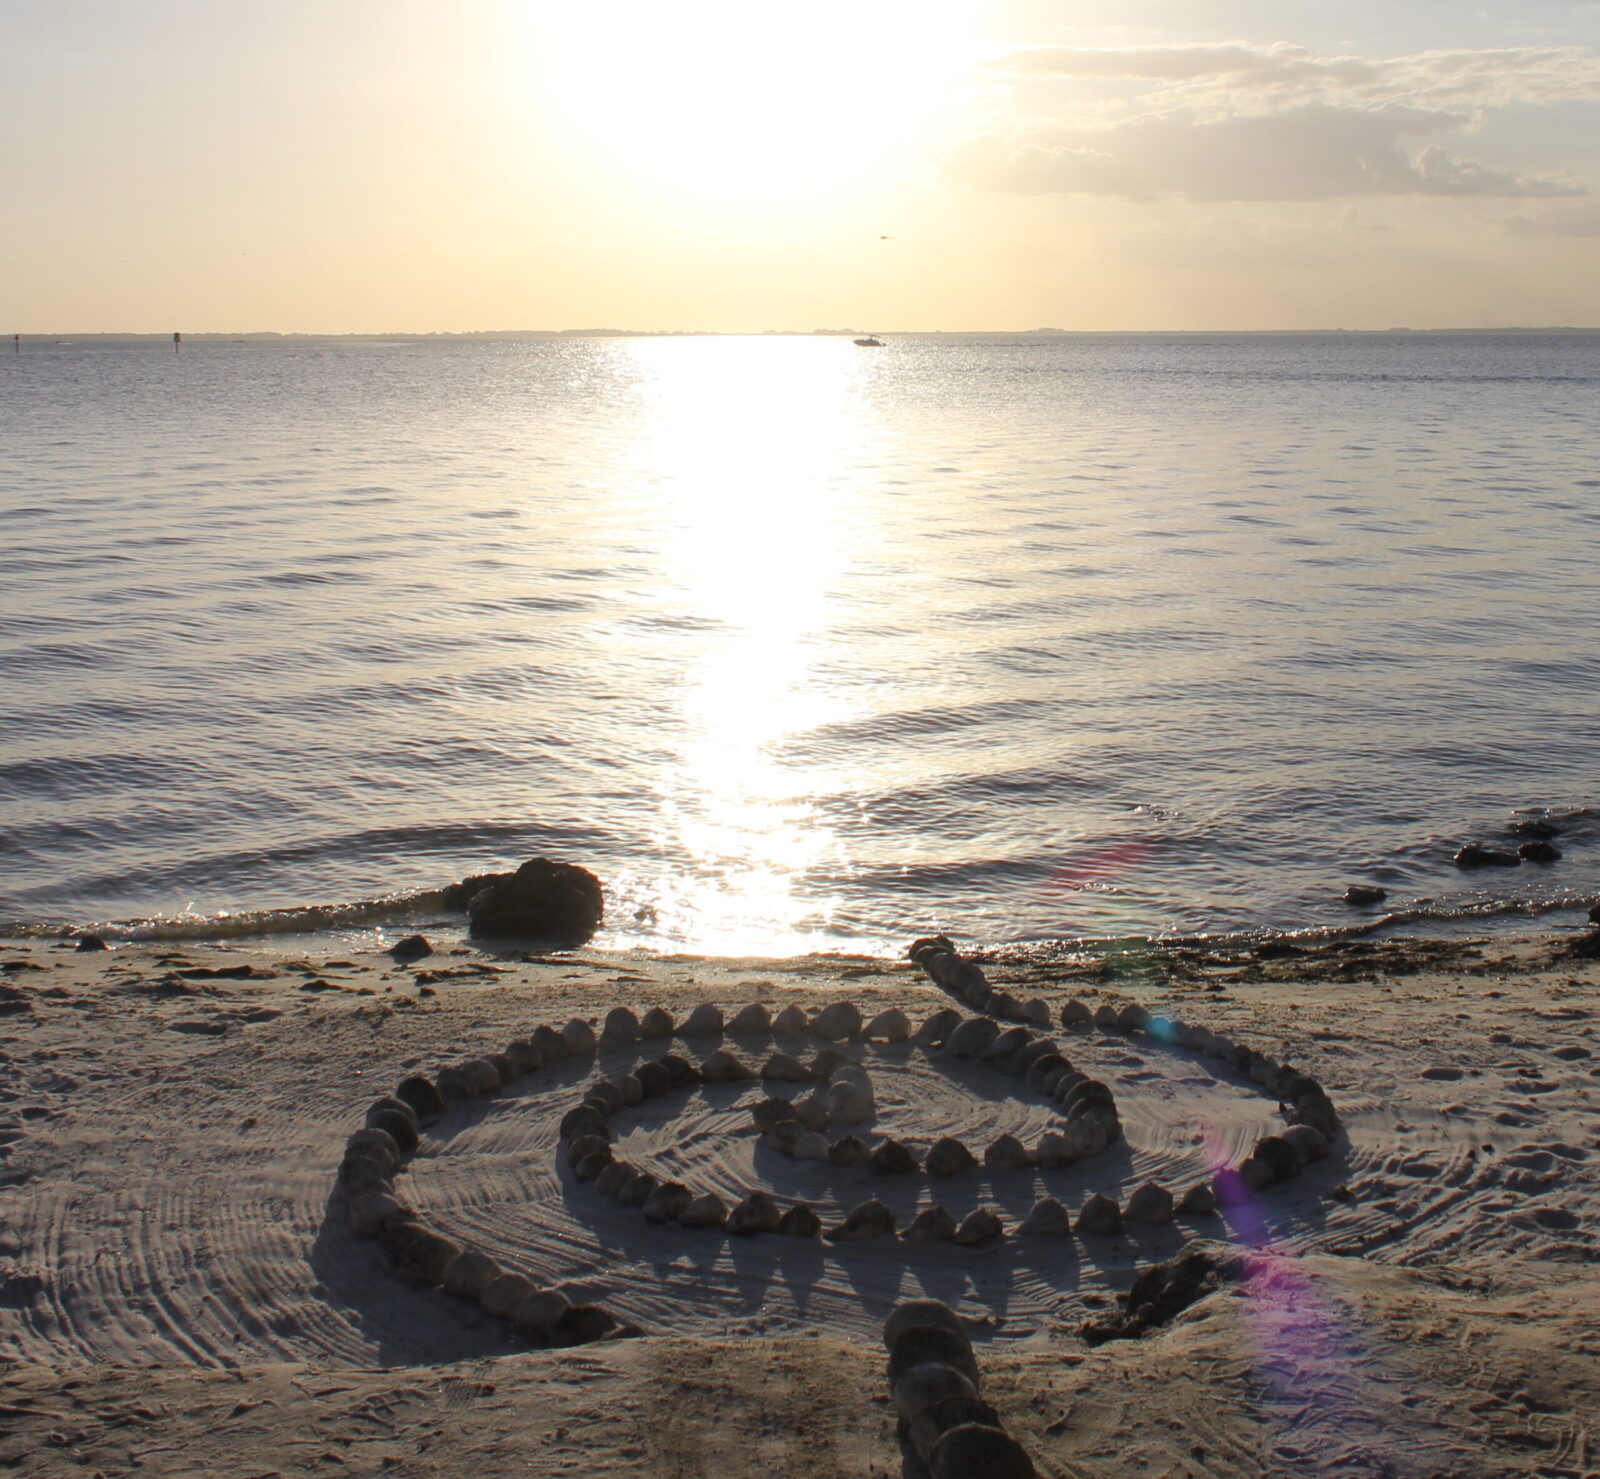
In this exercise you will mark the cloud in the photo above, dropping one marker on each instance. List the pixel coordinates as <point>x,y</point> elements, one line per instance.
<point>1242,76</point>
<point>1310,153</point>
<point>1234,121</point>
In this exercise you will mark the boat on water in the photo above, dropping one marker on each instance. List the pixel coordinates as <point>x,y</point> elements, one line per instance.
<point>869,342</point>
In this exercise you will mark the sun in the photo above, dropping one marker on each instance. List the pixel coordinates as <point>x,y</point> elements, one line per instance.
<point>741,111</point>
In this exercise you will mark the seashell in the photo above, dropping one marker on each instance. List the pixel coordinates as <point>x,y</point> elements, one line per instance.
<point>933,1422</point>
<point>869,1220</point>
<point>824,1065</point>
<point>636,1190</point>
<point>892,1159</point>
<point>1218,1046</point>
<point>917,1345</point>
<point>949,1157</point>
<point>667,1201</point>
<point>1150,1204</point>
<point>374,1144</point>
<point>1036,1012</point>
<point>482,1075</point>
<point>781,1068</point>
<point>847,1104</point>
<point>1008,1006</point>
<point>656,1023</point>
<point>468,1275</point>
<point>590,1167</point>
<point>967,977</point>
<point>1048,1219</point>
<point>770,1112</point>
<point>360,1174</point>
<point>1255,1175</point>
<point>578,1035</point>
<point>603,1091</point>
<point>500,1297</point>
<point>851,1073</point>
<point>423,1097</point>
<point>785,1135</point>
<point>1066,1084</point>
<point>812,1111</point>
<point>585,1120</point>
<point>1090,1091</point>
<point>585,1145</point>
<point>943,966</point>
<point>978,1227</point>
<point>1309,1143</point>
<point>1105,1017</point>
<point>1314,1108</point>
<point>889,1026</point>
<point>1099,1217</point>
<point>1033,1051</point>
<point>919,1387</point>
<point>1058,1080</point>
<point>632,1090</point>
<point>1081,1136</point>
<point>503,1066</point>
<point>654,1080</point>
<point>1007,1154</point>
<point>790,1019</point>
<point>454,1086</point>
<point>910,1313</point>
<point>538,1313</point>
<point>525,1056</point>
<point>937,1028</point>
<point>971,1038</point>
<point>706,1211</point>
<point>1279,1157</point>
<point>620,1026</point>
<point>931,1225</point>
<point>1264,1071</point>
<point>723,1068</point>
<point>1054,1151</point>
<point>550,1043</point>
<point>800,1222</point>
<point>757,1213</point>
<point>850,1151</point>
<point>613,1178</point>
<point>1199,1201</point>
<point>977,1448</point>
<point>1075,1014</point>
<point>680,1070</point>
<point>753,1020</point>
<point>401,1128</point>
<point>1003,1046</point>
<point>1132,1018</point>
<point>581,1324</point>
<point>368,1211</point>
<point>811,1146</point>
<point>1041,1068</point>
<point>704,1021</point>
<point>424,1255</point>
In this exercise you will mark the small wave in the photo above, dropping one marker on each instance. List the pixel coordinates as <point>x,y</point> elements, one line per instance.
<point>299,919</point>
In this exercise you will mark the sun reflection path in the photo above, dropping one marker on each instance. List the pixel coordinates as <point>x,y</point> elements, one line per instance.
<point>751,442</point>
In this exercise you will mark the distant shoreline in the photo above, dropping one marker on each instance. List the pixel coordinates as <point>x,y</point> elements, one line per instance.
<point>268,336</point>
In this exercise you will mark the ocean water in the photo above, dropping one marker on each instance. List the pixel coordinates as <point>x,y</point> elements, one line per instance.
<point>800,645</point>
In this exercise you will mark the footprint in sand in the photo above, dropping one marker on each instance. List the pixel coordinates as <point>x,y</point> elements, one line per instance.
<point>1449,1075</point>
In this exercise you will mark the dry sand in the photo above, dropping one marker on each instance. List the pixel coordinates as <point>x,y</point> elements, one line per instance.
<point>179,1293</point>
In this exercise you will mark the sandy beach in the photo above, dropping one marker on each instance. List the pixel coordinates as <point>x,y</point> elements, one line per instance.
<point>180,1292</point>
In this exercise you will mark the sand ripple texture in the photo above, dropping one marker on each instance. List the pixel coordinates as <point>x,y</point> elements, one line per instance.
<point>167,1197</point>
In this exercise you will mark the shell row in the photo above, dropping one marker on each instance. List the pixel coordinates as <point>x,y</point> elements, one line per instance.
<point>934,1383</point>
<point>377,1153</point>
<point>1313,1122</point>
<point>964,979</point>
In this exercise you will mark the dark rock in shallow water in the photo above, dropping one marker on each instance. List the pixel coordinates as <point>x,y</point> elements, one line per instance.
<point>1539,852</point>
<point>413,947</point>
<point>1362,894</point>
<point>92,942</point>
<point>542,900</point>
<point>1476,855</point>
<point>1533,827</point>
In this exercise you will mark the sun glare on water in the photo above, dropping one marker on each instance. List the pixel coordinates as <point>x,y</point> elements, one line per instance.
<point>747,111</point>
<point>751,440</point>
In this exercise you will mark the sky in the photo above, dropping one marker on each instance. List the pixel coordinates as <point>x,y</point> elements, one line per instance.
<point>382,166</point>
